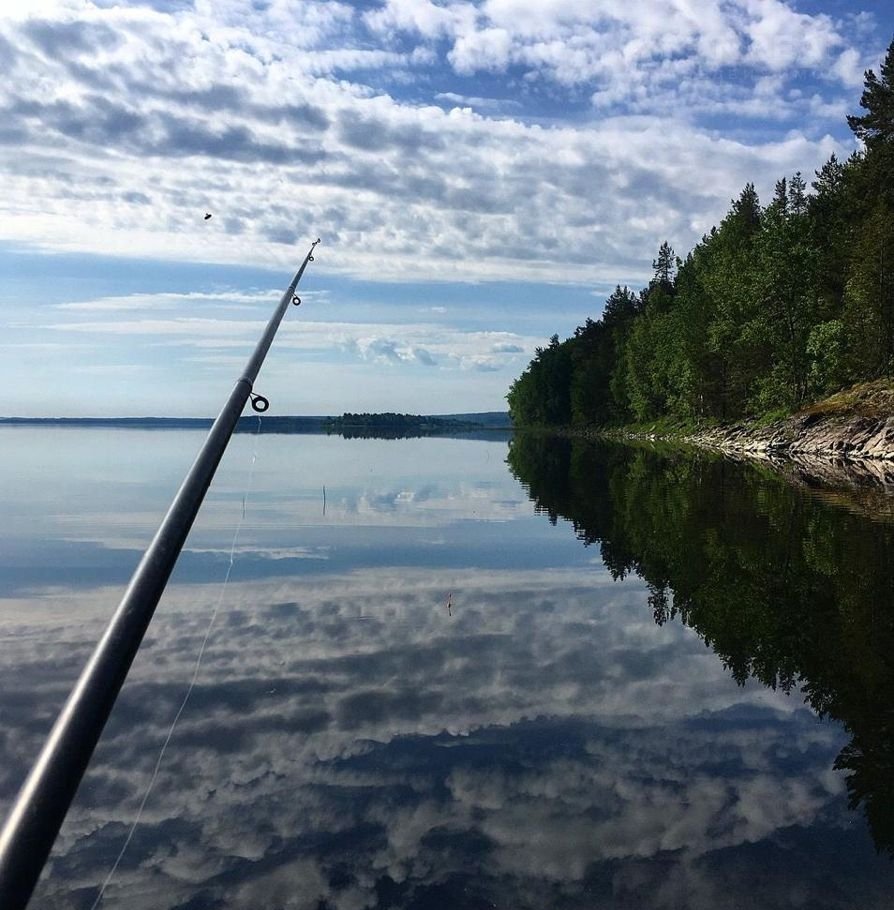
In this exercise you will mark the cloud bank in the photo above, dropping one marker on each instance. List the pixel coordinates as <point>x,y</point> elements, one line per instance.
<point>460,140</point>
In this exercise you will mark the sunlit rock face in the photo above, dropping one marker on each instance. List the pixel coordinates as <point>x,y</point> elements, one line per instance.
<point>862,444</point>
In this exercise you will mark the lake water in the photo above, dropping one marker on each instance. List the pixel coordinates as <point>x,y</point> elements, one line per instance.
<point>590,677</point>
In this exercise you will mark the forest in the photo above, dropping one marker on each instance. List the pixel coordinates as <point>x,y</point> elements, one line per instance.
<point>777,306</point>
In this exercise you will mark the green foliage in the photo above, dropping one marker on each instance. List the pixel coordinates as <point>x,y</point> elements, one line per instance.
<point>825,350</point>
<point>773,306</point>
<point>869,297</point>
<point>541,396</point>
<point>876,126</point>
<point>786,263</point>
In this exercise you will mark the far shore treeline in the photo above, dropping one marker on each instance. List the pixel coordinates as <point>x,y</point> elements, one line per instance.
<point>777,306</point>
<point>401,424</point>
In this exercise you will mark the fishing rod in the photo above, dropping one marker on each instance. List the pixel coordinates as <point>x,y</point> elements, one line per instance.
<point>43,801</point>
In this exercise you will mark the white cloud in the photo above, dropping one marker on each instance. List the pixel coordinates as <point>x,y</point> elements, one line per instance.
<point>422,16</point>
<point>849,67</point>
<point>780,38</point>
<point>488,49</point>
<point>121,125</point>
<point>168,301</point>
<point>198,324</point>
<point>488,104</point>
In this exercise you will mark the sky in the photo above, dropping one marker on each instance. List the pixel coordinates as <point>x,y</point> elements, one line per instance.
<point>482,173</point>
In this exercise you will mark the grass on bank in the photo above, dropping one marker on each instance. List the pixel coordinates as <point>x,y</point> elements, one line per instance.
<point>866,399</point>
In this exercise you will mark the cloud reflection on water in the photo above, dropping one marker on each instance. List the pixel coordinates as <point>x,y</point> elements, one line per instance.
<point>348,740</point>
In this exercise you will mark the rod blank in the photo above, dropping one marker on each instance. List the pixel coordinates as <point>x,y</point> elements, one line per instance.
<point>43,801</point>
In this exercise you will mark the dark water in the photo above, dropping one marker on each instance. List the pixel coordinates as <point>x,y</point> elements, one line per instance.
<point>665,682</point>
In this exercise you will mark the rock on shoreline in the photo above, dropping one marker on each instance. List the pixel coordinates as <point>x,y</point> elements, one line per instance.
<point>856,424</point>
<point>853,437</point>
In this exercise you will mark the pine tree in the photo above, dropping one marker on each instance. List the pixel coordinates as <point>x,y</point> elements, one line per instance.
<point>797,195</point>
<point>744,217</point>
<point>877,124</point>
<point>780,196</point>
<point>665,266</point>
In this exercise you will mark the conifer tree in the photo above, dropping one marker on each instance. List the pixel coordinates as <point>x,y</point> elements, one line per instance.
<point>877,124</point>
<point>665,266</point>
<point>797,195</point>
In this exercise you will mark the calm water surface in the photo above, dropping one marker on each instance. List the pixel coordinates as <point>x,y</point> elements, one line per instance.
<point>471,675</point>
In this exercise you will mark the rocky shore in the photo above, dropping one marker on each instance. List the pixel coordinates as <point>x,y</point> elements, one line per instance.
<point>849,436</point>
<point>808,434</point>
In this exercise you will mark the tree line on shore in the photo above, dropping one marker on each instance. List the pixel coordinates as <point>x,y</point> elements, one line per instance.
<point>390,423</point>
<point>778,305</point>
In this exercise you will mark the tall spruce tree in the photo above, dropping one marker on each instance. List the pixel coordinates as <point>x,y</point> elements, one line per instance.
<point>665,267</point>
<point>877,124</point>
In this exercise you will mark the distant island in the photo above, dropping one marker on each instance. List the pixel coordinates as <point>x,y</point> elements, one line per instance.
<point>397,426</point>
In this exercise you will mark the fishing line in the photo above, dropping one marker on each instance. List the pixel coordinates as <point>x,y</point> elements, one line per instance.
<point>39,809</point>
<point>192,682</point>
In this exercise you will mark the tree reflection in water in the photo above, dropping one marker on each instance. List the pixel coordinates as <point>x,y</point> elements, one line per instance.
<point>785,588</point>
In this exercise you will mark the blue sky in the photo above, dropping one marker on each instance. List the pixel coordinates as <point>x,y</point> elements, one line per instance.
<point>481,172</point>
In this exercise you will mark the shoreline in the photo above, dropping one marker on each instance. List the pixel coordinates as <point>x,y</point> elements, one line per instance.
<point>813,449</point>
<point>850,434</point>
<point>807,435</point>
